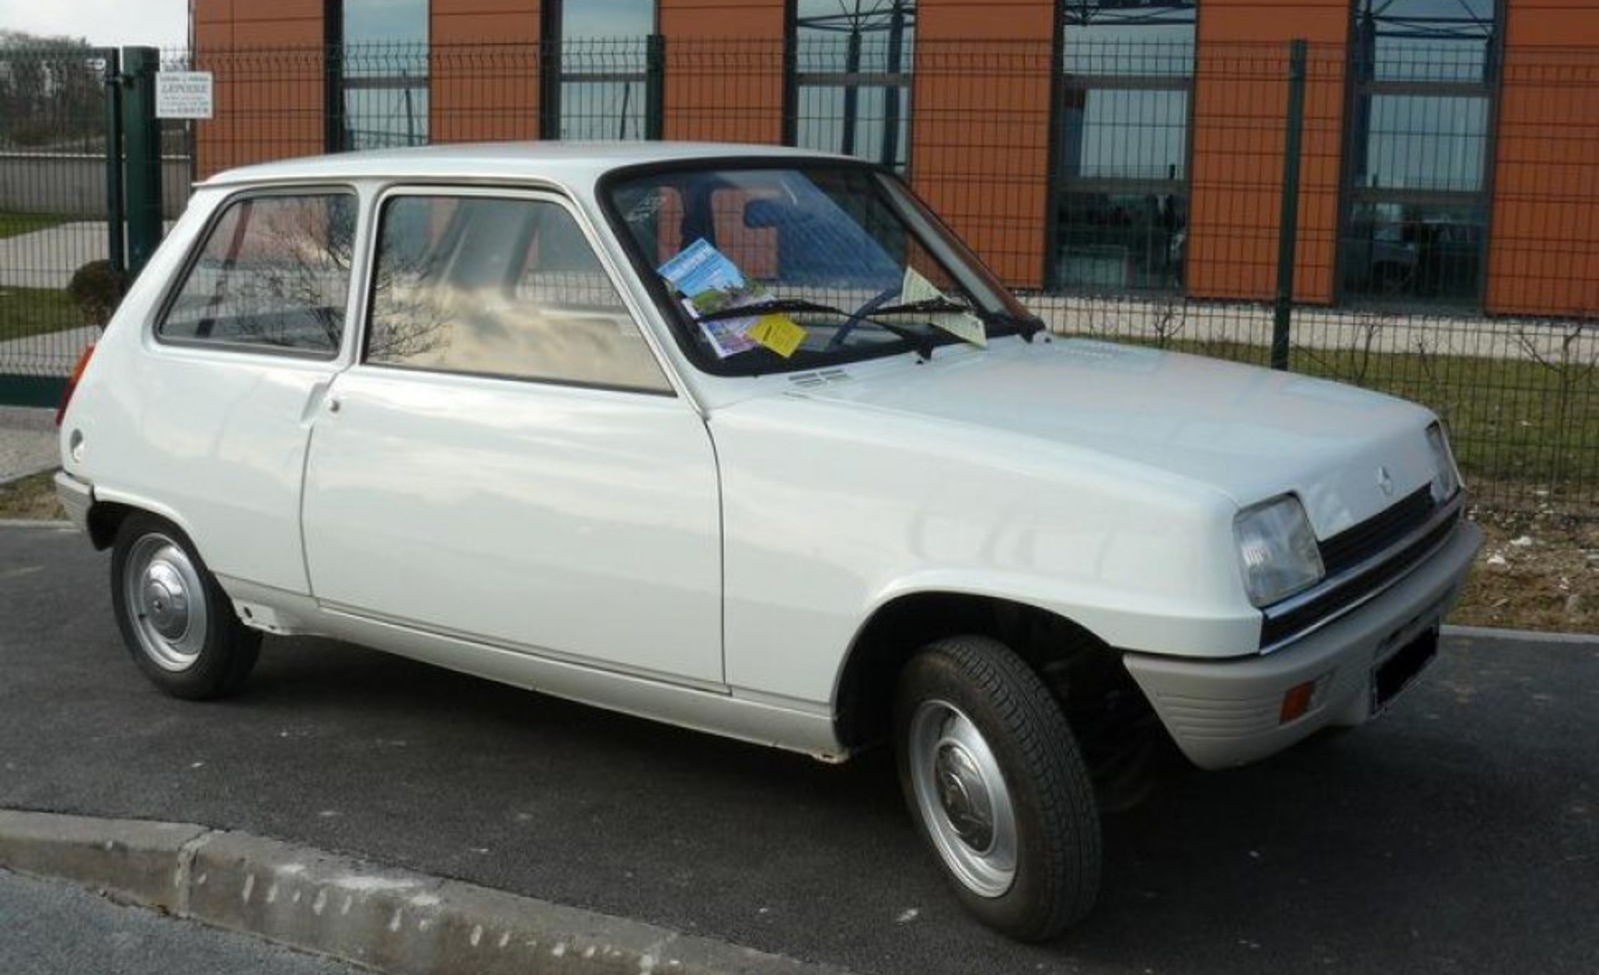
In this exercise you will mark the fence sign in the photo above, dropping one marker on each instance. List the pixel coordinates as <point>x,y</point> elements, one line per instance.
<point>183,94</point>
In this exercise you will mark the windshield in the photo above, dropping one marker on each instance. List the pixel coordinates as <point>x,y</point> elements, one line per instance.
<point>777,269</point>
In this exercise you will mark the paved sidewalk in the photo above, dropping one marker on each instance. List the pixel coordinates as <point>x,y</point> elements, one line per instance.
<point>27,442</point>
<point>47,258</point>
<point>47,354</point>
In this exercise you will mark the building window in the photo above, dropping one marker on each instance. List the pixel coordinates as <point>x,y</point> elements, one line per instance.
<point>381,67</point>
<point>597,69</point>
<point>1121,200</point>
<point>852,61</point>
<point>1424,78</point>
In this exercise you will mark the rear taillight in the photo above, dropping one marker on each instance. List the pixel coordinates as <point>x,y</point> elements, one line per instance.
<point>72,381</point>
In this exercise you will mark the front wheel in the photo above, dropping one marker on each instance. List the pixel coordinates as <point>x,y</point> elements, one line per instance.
<point>174,617</point>
<point>993,777</point>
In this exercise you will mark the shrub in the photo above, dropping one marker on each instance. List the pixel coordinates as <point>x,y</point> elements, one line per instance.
<point>97,289</point>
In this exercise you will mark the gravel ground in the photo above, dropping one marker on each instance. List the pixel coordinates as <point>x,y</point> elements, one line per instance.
<point>1534,574</point>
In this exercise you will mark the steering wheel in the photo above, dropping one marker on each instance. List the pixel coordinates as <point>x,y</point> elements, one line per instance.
<point>858,315</point>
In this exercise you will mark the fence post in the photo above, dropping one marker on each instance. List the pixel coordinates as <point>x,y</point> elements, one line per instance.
<point>1288,226</point>
<point>549,89</point>
<point>142,136</point>
<point>655,87</point>
<point>115,256</point>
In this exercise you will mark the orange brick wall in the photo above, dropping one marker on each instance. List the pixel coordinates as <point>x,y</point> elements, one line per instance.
<point>980,125</point>
<point>1240,111</point>
<point>270,80</point>
<point>724,69</point>
<point>484,70</point>
<point>1543,251</point>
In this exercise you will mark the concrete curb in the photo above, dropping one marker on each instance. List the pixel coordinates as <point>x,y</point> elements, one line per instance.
<point>1526,636</point>
<point>392,920</point>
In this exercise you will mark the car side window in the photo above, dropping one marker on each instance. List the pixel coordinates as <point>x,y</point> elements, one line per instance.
<point>272,273</point>
<point>500,287</point>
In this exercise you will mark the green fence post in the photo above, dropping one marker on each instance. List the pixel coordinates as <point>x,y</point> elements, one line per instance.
<point>141,133</point>
<point>1288,226</point>
<point>655,88</point>
<point>113,163</point>
<point>549,89</point>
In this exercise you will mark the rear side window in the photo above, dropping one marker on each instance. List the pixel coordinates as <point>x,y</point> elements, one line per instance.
<point>498,287</point>
<point>273,273</point>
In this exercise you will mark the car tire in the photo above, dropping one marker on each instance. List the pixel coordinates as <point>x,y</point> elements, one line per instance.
<point>174,617</point>
<point>997,785</point>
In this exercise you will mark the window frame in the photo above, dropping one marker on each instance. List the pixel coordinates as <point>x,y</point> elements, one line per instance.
<point>554,76</point>
<point>543,194</point>
<point>901,82</point>
<point>1352,196</point>
<point>175,285</point>
<point>340,84</point>
<point>1061,185</point>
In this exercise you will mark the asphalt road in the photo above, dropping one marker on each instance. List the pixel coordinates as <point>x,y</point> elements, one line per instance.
<point>53,929</point>
<point>1456,835</point>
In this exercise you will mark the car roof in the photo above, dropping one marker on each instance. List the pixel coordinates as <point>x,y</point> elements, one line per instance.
<point>571,163</point>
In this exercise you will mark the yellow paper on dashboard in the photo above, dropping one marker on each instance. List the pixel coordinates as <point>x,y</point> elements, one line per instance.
<point>779,333</point>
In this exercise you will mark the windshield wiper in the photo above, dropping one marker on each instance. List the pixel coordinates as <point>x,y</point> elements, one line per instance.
<point>1027,325</point>
<point>920,342</point>
<point>927,305</point>
<point>756,309</point>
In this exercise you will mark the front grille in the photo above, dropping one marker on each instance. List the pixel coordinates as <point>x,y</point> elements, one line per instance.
<point>1358,543</point>
<point>1354,546</point>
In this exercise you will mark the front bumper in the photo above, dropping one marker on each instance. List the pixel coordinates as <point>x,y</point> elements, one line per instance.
<point>75,496</point>
<point>1228,712</point>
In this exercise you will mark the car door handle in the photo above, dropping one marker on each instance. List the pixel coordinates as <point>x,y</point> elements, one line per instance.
<point>333,404</point>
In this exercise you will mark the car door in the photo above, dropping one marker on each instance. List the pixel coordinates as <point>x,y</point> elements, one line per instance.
<point>507,462</point>
<point>212,427</point>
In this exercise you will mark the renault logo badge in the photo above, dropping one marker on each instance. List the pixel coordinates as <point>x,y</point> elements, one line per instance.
<point>1385,481</point>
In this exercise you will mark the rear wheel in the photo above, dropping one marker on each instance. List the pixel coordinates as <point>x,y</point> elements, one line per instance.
<point>993,777</point>
<point>175,619</point>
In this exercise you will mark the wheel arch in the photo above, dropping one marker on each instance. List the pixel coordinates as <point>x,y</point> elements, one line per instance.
<point>109,511</point>
<point>105,520</point>
<point>1049,643</point>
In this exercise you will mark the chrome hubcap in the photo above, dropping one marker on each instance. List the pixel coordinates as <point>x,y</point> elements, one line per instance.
<point>165,603</point>
<point>961,795</point>
<point>964,796</point>
<point>166,599</point>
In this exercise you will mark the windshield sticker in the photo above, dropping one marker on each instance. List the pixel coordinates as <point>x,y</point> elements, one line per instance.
<point>711,283</point>
<point>963,325</point>
<point>779,333</point>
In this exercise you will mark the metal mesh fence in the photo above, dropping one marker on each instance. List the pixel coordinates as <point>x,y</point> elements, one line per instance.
<point>53,185</point>
<point>1442,245</point>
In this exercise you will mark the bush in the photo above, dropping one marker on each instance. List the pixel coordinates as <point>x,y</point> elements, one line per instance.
<point>97,289</point>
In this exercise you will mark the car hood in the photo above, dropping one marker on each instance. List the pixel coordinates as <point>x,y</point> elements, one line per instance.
<point>1248,432</point>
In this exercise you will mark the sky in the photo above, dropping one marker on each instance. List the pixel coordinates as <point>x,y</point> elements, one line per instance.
<point>107,23</point>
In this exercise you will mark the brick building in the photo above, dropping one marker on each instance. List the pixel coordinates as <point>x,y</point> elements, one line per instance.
<point>1449,148</point>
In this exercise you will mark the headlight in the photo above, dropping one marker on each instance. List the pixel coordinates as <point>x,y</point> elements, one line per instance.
<point>1446,477</point>
<point>1277,550</point>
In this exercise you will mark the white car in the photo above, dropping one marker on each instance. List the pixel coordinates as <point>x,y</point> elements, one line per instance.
<point>745,440</point>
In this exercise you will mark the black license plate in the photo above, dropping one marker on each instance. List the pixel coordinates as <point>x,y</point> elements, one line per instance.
<point>1400,670</point>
